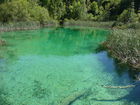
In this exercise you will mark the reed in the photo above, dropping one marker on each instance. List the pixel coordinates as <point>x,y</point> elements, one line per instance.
<point>25,25</point>
<point>119,25</point>
<point>124,45</point>
<point>88,23</point>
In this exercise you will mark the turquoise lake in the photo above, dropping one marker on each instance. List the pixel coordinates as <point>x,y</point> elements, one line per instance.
<point>61,66</point>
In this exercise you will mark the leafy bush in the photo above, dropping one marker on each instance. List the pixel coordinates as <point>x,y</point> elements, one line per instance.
<point>39,14</point>
<point>22,10</point>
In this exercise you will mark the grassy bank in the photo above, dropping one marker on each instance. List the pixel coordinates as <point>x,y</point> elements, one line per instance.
<point>124,45</point>
<point>25,25</point>
<point>119,25</point>
<point>88,23</point>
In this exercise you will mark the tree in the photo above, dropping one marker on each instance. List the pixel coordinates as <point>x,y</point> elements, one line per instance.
<point>77,10</point>
<point>22,10</point>
<point>94,8</point>
<point>56,8</point>
<point>111,7</point>
<point>128,15</point>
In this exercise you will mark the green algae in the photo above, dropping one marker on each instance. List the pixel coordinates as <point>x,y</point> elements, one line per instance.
<point>3,98</point>
<point>39,91</point>
<point>51,66</point>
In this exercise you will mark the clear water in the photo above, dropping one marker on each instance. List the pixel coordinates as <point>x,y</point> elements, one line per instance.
<point>61,66</point>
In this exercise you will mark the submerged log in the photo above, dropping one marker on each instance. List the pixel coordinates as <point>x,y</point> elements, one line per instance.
<point>119,87</point>
<point>75,96</point>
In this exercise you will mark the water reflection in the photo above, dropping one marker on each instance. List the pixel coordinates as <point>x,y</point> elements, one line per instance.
<point>68,41</point>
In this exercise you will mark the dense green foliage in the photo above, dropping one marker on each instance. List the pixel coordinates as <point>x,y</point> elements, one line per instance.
<point>23,10</point>
<point>46,10</point>
<point>127,16</point>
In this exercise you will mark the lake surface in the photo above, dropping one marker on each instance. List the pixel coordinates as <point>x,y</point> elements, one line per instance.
<point>61,66</point>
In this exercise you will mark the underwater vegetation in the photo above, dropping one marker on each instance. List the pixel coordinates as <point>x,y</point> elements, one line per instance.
<point>3,98</point>
<point>2,42</point>
<point>39,91</point>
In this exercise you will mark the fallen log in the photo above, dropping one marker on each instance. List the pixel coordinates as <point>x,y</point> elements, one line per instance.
<point>119,87</point>
<point>75,96</point>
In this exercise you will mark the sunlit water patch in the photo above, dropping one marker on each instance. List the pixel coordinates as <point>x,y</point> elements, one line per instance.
<point>61,66</point>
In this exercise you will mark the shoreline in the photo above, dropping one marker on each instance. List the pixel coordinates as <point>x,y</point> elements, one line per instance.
<point>25,26</point>
<point>96,24</point>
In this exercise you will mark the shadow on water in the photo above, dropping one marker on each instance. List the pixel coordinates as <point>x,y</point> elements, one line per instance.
<point>133,96</point>
<point>122,70</point>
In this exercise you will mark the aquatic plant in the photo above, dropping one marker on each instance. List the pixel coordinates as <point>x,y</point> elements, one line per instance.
<point>88,23</point>
<point>25,25</point>
<point>120,25</point>
<point>19,26</point>
<point>2,42</point>
<point>124,45</point>
<point>38,90</point>
<point>3,99</point>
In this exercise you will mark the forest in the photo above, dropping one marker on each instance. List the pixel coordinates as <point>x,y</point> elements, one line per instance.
<point>48,10</point>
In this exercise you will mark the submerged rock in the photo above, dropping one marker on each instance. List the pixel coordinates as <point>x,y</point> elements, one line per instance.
<point>2,42</point>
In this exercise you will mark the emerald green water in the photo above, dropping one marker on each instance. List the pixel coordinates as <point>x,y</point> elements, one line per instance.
<point>55,66</point>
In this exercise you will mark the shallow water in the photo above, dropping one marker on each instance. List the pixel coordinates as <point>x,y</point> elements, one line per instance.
<point>61,66</point>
